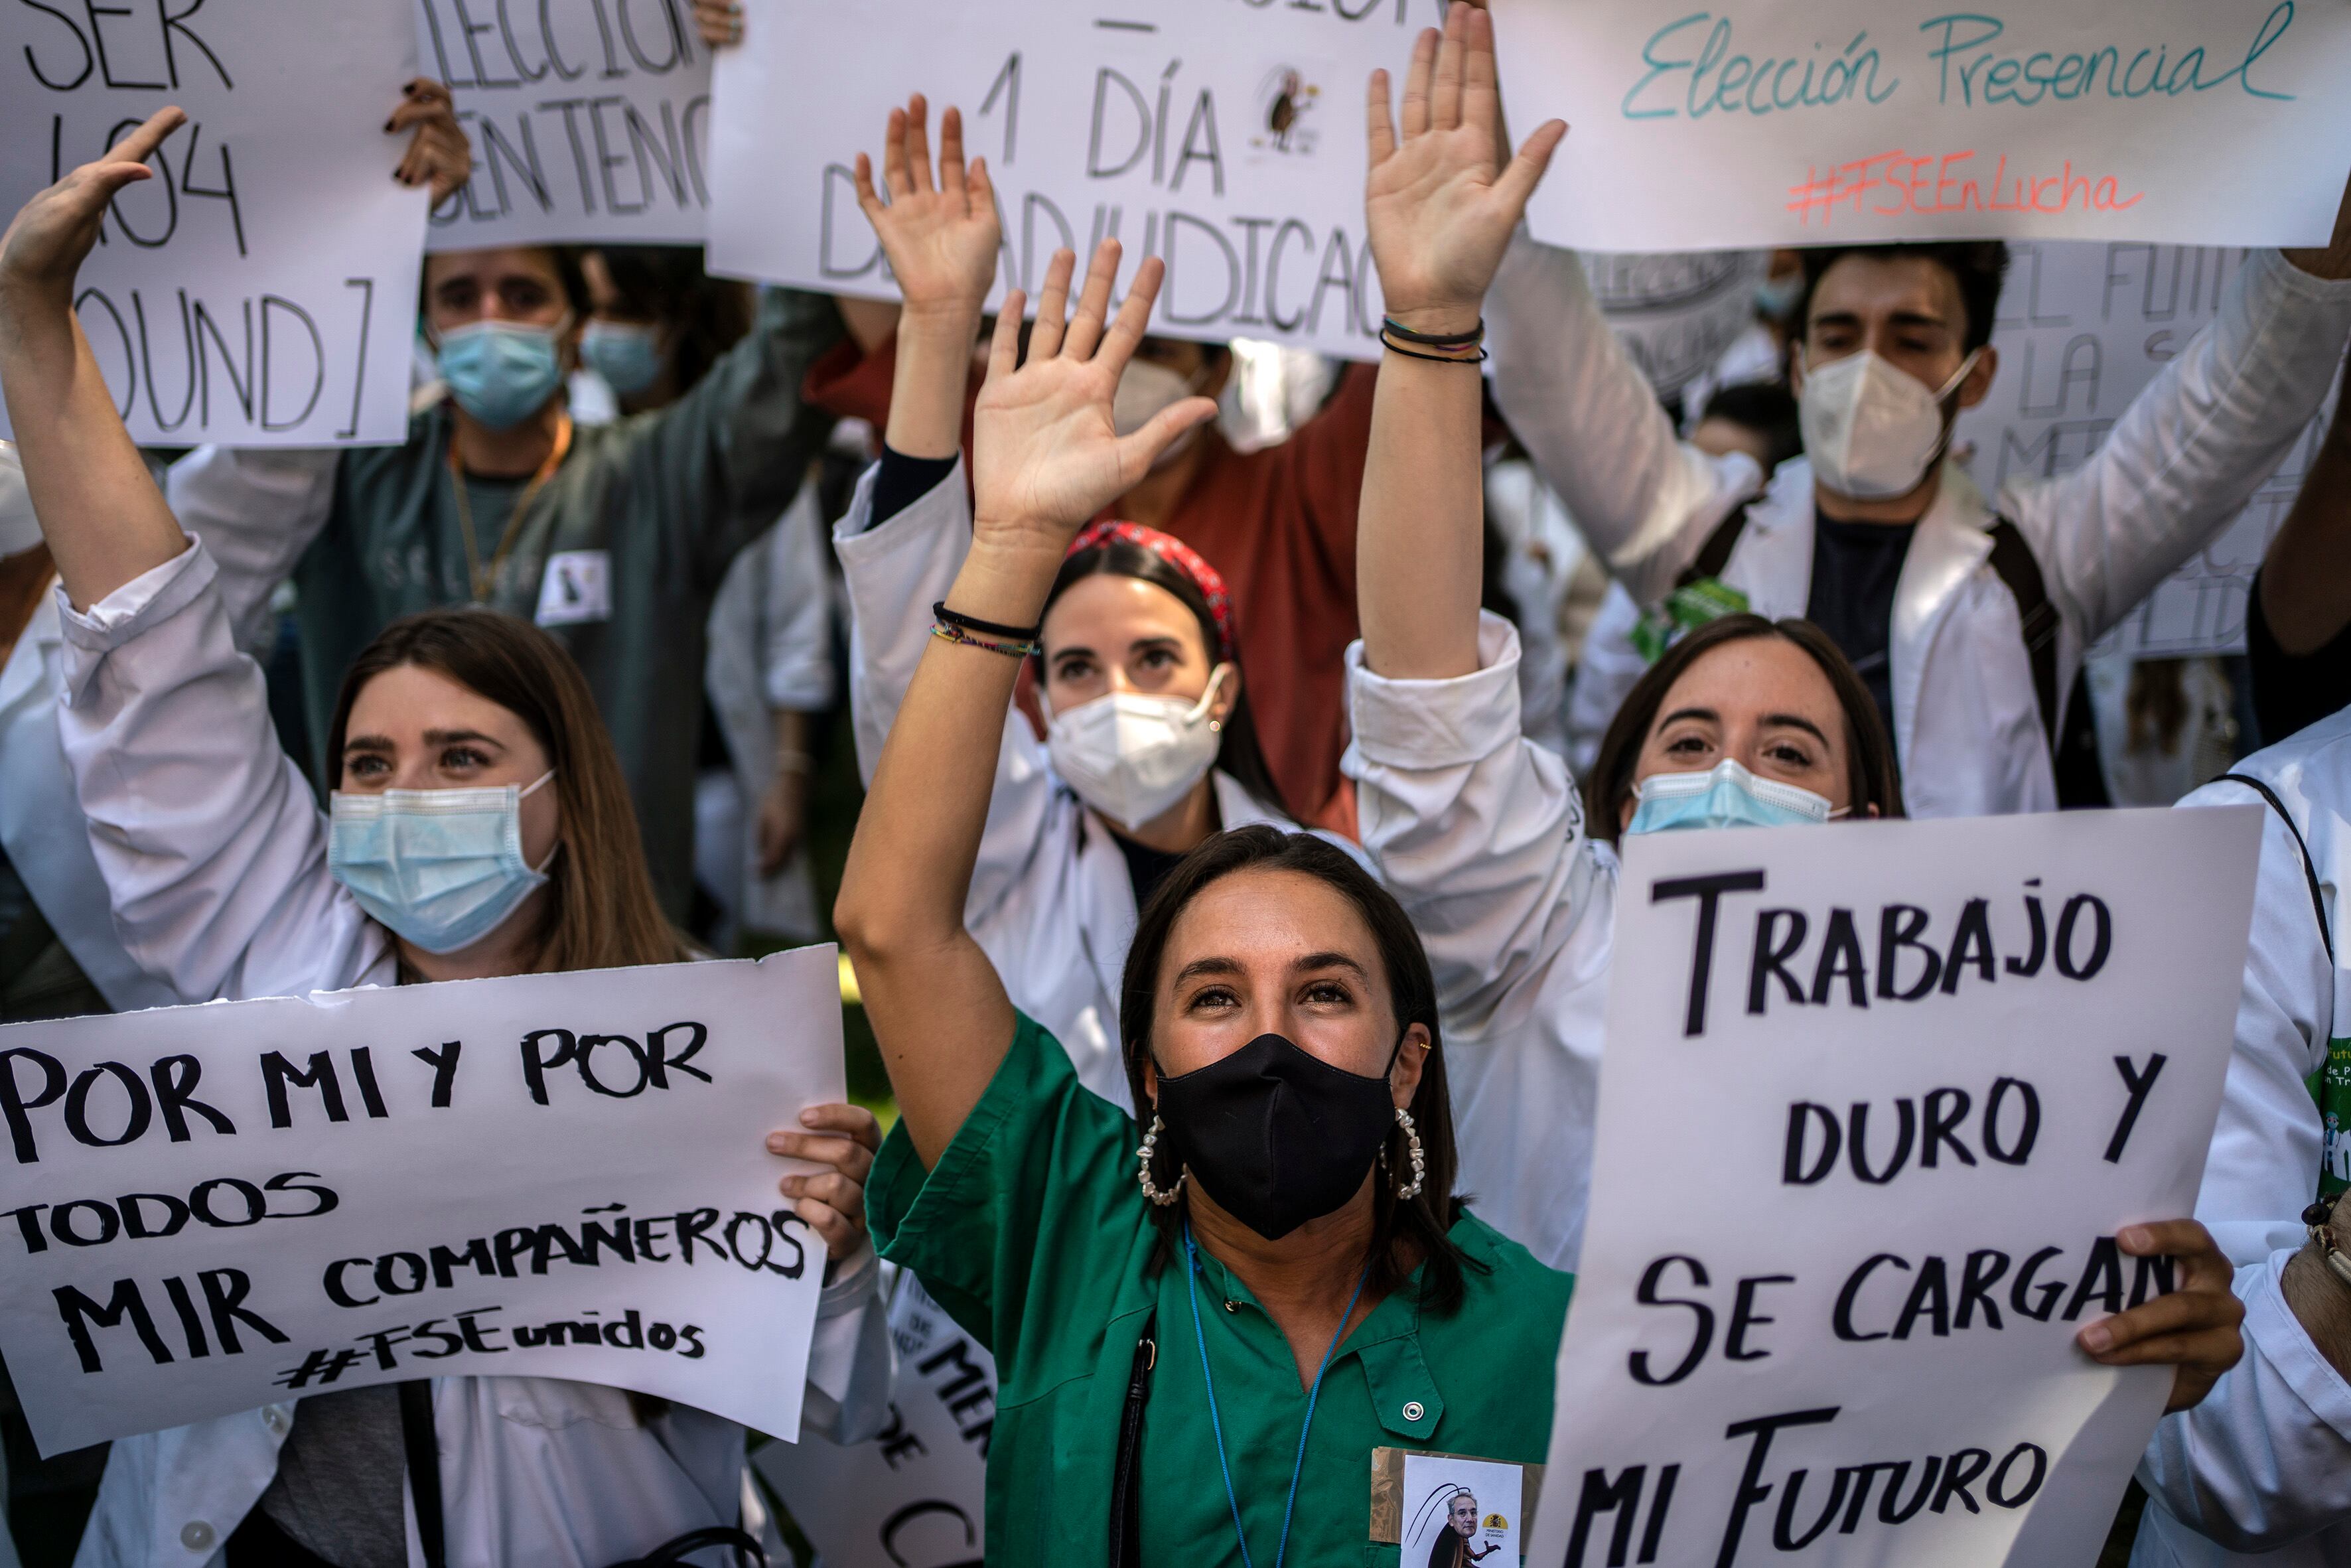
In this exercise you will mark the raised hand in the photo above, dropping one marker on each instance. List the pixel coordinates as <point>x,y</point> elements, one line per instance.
<point>438,153</point>
<point>1046,454</point>
<point>46,243</point>
<point>1439,203</point>
<point>941,235</point>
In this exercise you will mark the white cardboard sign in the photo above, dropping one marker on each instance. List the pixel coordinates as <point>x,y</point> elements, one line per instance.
<point>210,1208</point>
<point>1226,137</point>
<point>1677,312</point>
<point>261,289</point>
<point>589,120</point>
<point>1777,122</point>
<point>1874,1102</point>
<point>2082,329</point>
<point>918,1492</point>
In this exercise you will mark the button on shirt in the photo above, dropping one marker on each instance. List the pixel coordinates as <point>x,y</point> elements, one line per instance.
<point>1033,1234</point>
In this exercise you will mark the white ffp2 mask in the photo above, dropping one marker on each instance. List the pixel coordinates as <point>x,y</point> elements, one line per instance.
<point>1131,755</point>
<point>1870,428</point>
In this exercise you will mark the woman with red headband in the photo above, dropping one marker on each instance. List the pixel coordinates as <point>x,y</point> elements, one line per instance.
<point>1149,745</point>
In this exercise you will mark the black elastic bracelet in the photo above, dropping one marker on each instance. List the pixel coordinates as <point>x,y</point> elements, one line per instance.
<point>1434,339</point>
<point>986,628</point>
<point>1394,347</point>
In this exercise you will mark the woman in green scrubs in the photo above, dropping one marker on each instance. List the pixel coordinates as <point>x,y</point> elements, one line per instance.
<point>1202,1329</point>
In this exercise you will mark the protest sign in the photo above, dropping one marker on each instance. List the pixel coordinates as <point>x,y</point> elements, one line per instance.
<point>589,119</point>
<point>1675,313</point>
<point>1920,1073</point>
<point>1227,139</point>
<point>549,1176</point>
<point>1800,121</point>
<point>261,289</point>
<point>2082,329</point>
<point>917,1493</point>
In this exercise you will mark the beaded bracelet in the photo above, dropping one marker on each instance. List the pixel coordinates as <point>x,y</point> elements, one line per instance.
<point>949,632</point>
<point>940,613</point>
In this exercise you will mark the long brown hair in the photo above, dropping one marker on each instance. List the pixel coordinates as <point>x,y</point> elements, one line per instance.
<point>1870,775</point>
<point>1404,1232</point>
<point>603,914</point>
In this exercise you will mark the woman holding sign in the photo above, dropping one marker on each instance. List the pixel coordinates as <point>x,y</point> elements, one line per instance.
<point>1152,746</point>
<point>1277,1027</point>
<point>227,882</point>
<point>1480,833</point>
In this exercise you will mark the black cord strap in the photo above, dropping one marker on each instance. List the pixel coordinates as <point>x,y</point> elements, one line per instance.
<point>939,612</point>
<point>1396,348</point>
<point>1396,328</point>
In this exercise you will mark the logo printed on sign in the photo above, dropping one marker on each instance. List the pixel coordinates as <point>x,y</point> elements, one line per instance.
<point>1285,103</point>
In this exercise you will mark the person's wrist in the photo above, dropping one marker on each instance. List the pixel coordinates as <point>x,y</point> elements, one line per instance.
<point>939,319</point>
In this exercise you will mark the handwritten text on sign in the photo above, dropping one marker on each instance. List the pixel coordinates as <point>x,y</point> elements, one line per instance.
<point>552,1175</point>
<point>1226,137</point>
<point>589,120</point>
<point>261,289</point>
<point>917,1493</point>
<point>2082,328</point>
<point>1926,1071</point>
<point>1780,122</point>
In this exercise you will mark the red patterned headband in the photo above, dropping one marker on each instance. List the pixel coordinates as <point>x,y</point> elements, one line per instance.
<point>1177,554</point>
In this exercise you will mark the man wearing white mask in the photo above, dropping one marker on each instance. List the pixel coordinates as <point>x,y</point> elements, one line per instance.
<point>1968,615</point>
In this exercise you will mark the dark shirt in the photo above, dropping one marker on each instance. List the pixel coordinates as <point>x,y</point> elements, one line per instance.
<point>2289,693</point>
<point>1146,868</point>
<point>1855,569</point>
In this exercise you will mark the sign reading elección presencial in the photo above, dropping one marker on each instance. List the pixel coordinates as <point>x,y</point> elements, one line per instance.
<point>2082,329</point>
<point>1226,137</point>
<point>213,1208</point>
<point>918,1492</point>
<point>260,290</point>
<point>1926,1071</point>
<point>589,120</point>
<point>1778,123</point>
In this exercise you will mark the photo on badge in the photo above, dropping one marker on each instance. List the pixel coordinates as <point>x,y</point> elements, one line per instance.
<point>1460,1511</point>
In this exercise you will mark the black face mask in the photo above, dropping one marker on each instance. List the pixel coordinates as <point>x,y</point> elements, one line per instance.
<point>1278,1136</point>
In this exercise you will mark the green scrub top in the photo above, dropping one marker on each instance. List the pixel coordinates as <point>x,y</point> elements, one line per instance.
<point>1035,1237</point>
<point>639,523</point>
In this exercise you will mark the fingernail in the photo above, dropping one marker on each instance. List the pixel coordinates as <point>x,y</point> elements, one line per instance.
<point>779,1143</point>
<point>2097,1337</point>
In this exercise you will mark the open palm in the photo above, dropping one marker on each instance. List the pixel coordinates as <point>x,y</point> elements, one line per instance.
<point>1046,454</point>
<point>1439,202</point>
<point>941,235</point>
<point>44,244</point>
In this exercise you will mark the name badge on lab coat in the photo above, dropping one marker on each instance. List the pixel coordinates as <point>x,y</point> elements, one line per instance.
<point>577,587</point>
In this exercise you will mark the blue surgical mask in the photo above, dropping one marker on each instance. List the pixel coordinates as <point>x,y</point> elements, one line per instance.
<point>627,355</point>
<point>442,868</point>
<point>502,373</point>
<point>1727,796</point>
<point>1775,298</point>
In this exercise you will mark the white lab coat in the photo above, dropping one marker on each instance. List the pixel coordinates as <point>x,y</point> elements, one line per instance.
<point>2176,468</point>
<point>770,648</point>
<point>1479,833</point>
<point>2263,1465</point>
<point>41,824</point>
<point>1051,903</point>
<point>214,850</point>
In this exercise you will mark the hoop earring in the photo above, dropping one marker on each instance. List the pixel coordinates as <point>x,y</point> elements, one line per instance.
<point>1143,1161</point>
<point>1411,1189</point>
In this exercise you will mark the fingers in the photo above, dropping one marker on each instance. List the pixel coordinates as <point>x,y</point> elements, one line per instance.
<point>1138,451</point>
<point>845,1156</point>
<point>1004,349</point>
<point>951,177</point>
<point>842,1234</point>
<point>719,21</point>
<point>2207,1267</point>
<point>1524,172</point>
<point>141,144</point>
<point>1416,82</point>
<point>918,143</point>
<point>868,201</point>
<point>856,1121</point>
<point>1379,119</point>
<point>1093,305</point>
<point>979,190</point>
<point>1134,315</point>
<point>1445,90</point>
<point>1481,88</point>
<point>894,156</point>
<point>1053,305</point>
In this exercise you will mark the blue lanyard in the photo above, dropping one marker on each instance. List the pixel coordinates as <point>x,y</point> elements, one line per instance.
<point>1215,1422</point>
